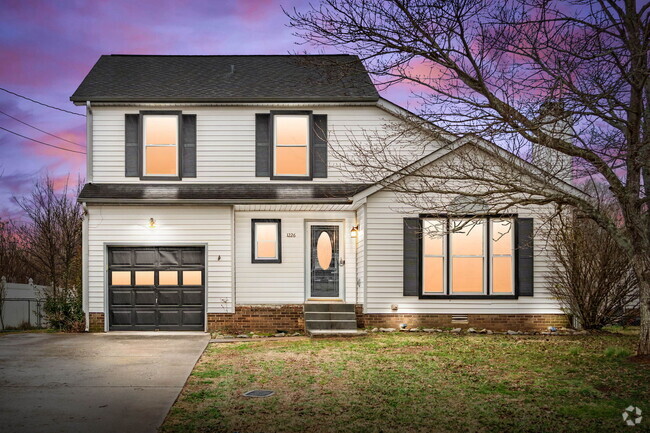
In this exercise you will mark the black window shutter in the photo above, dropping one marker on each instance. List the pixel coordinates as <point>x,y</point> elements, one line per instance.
<point>189,145</point>
<point>412,233</point>
<point>131,145</point>
<point>319,151</point>
<point>525,261</point>
<point>262,145</point>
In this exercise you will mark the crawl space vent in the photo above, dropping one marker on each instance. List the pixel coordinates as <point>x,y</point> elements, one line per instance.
<point>258,393</point>
<point>459,318</point>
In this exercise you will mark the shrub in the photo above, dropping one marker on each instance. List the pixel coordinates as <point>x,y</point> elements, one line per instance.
<point>592,277</point>
<point>64,311</point>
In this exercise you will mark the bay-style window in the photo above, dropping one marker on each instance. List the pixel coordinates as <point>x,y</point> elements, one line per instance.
<point>266,244</point>
<point>473,257</point>
<point>291,145</point>
<point>160,138</point>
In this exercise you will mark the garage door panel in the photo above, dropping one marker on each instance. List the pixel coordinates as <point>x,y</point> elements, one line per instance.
<point>169,317</point>
<point>192,317</point>
<point>121,317</point>
<point>169,297</point>
<point>192,257</point>
<point>156,288</point>
<point>121,297</point>
<point>192,297</point>
<point>145,257</point>
<point>145,297</point>
<point>145,317</point>
<point>170,257</point>
<point>120,257</point>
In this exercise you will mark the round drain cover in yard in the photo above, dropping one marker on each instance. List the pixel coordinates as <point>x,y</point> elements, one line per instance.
<point>258,393</point>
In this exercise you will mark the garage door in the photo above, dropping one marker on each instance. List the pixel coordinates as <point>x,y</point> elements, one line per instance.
<point>156,288</point>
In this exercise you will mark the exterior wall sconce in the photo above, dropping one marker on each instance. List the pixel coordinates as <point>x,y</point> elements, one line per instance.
<point>152,223</point>
<point>354,232</point>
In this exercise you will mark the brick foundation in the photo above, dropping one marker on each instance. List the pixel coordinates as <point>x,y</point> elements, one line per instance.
<point>273,318</point>
<point>96,322</point>
<point>261,318</point>
<point>494,322</point>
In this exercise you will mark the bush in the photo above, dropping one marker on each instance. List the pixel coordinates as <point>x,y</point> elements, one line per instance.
<point>592,278</point>
<point>64,311</point>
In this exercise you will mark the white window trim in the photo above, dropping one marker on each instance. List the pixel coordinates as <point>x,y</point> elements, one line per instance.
<point>277,249</point>
<point>145,145</point>
<point>511,255</point>
<point>275,146</point>
<point>443,256</point>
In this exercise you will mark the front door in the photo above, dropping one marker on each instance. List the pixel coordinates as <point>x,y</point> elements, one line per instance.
<point>325,263</point>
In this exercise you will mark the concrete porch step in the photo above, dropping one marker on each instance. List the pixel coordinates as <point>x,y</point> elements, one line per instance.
<point>336,333</point>
<point>325,307</point>
<point>330,324</point>
<point>330,315</point>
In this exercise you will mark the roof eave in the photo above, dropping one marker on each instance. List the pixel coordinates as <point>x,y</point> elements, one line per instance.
<point>177,201</point>
<point>81,100</point>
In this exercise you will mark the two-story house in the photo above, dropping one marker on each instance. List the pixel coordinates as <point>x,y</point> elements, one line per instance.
<point>213,201</point>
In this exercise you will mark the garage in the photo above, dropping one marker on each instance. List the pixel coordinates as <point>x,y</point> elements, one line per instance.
<point>156,288</point>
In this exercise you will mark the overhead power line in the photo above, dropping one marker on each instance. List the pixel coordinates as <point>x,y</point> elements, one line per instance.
<point>38,129</point>
<point>42,142</point>
<point>42,103</point>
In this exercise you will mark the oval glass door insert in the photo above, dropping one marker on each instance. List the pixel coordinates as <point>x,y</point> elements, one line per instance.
<point>324,250</point>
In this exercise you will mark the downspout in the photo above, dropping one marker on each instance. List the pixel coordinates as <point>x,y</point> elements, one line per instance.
<point>84,233</point>
<point>84,267</point>
<point>89,143</point>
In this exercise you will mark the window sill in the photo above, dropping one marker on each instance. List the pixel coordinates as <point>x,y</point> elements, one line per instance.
<point>475,297</point>
<point>291,177</point>
<point>266,261</point>
<point>161,178</point>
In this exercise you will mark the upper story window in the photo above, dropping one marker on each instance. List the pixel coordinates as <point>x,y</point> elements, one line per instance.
<point>160,139</point>
<point>468,257</point>
<point>291,145</point>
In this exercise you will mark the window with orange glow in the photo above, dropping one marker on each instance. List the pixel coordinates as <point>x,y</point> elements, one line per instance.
<point>433,256</point>
<point>192,278</point>
<point>458,255</point>
<point>266,245</point>
<point>291,145</point>
<point>160,137</point>
<point>502,247</point>
<point>467,245</point>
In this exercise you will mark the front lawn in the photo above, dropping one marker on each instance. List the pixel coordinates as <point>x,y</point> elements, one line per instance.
<point>417,382</point>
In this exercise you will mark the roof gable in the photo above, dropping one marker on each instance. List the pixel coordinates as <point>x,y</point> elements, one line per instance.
<point>254,78</point>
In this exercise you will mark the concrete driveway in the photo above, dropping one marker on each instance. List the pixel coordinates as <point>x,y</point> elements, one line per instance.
<point>116,382</point>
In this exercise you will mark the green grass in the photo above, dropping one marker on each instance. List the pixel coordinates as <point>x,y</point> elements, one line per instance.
<point>424,382</point>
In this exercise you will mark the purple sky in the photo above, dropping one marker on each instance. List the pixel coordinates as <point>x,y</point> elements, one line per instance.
<point>47,47</point>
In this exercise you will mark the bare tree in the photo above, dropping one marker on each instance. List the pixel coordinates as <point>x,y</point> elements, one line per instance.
<point>51,239</point>
<point>562,84</point>
<point>12,264</point>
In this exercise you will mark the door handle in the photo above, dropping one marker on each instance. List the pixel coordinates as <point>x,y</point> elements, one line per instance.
<point>342,262</point>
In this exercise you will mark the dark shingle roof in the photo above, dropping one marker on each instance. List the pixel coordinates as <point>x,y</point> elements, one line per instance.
<point>226,193</point>
<point>256,78</point>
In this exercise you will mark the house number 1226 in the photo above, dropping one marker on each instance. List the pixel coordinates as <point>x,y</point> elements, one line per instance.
<point>291,235</point>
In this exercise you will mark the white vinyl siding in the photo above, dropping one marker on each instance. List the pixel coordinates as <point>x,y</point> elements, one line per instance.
<point>178,225</point>
<point>384,255</point>
<point>225,148</point>
<point>284,283</point>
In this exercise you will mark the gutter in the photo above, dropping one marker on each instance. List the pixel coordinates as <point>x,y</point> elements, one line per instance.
<point>211,201</point>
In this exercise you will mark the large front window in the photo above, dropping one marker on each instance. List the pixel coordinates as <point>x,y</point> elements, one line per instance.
<point>160,152</point>
<point>291,145</point>
<point>468,256</point>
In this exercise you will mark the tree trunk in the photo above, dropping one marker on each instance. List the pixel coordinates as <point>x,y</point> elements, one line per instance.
<point>642,270</point>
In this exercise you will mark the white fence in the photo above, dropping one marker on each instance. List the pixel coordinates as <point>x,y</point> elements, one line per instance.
<point>22,306</point>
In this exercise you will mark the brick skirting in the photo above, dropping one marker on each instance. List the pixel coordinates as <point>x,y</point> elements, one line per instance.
<point>96,322</point>
<point>273,318</point>
<point>494,322</point>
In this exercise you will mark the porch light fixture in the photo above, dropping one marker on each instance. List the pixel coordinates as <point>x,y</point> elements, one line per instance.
<point>354,232</point>
<point>152,223</point>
